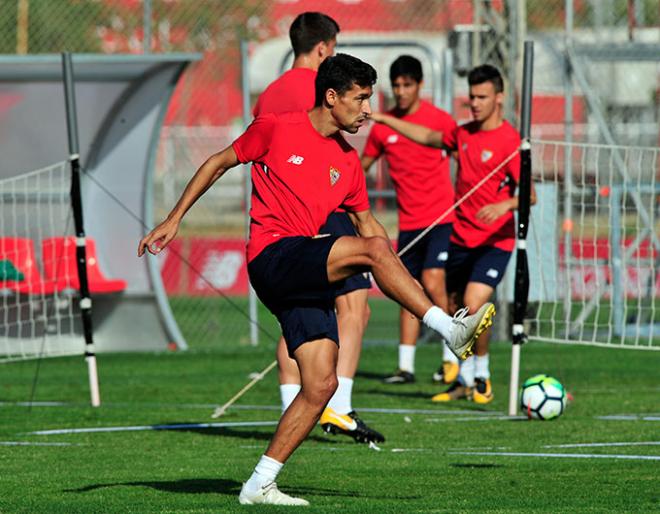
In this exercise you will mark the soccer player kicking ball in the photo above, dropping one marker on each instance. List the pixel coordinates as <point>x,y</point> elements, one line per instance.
<point>483,234</point>
<point>424,191</point>
<point>307,170</point>
<point>313,38</point>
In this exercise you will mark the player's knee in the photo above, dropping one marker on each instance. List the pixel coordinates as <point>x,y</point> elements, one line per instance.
<point>378,248</point>
<point>321,390</point>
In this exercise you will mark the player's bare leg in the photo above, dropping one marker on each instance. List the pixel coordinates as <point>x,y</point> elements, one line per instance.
<point>339,417</point>
<point>409,328</point>
<point>288,374</point>
<point>476,294</point>
<point>317,361</point>
<point>350,255</point>
<point>434,282</point>
<point>352,317</point>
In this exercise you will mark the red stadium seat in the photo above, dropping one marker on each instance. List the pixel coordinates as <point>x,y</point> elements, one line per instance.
<point>20,252</point>
<point>59,256</point>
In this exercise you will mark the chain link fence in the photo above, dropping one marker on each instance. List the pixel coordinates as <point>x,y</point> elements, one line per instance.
<point>617,98</point>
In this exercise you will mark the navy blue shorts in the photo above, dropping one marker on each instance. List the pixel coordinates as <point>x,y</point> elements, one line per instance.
<point>431,251</point>
<point>339,224</point>
<point>290,277</point>
<point>485,264</point>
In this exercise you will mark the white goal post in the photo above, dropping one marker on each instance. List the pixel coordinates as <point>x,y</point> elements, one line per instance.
<point>594,246</point>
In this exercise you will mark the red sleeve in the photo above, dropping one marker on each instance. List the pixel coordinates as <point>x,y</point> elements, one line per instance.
<point>449,127</point>
<point>374,146</point>
<point>255,141</point>
<point>357,199</point>
<point>449,136</point>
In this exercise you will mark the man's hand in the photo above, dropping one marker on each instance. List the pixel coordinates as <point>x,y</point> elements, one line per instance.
<point>491,212</point>
<point>158,238</point>
<point>377,117</point>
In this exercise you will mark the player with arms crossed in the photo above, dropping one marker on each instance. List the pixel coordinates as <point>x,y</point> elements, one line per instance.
<point>424,191</point>
<point>313,38</point>
<point>483,234</point>
<point>292,269</point>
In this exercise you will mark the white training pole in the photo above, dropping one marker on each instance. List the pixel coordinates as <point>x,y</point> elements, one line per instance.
<point>93,380</point>
<point>219,411</point>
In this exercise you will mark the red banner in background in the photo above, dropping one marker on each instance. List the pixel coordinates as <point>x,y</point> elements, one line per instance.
<point>199,266</point>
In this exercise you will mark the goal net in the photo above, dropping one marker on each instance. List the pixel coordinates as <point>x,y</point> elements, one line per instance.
<point>37,314</point>
<point>595,246</point>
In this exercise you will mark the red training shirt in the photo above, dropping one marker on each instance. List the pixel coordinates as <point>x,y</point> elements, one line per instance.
<point>479,153</point>
<point>300,177</point>
<point>420,173</point>
<point>293,91</point>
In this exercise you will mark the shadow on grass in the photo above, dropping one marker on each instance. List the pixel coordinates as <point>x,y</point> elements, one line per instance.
<point>238,434</point>
<point>229,488</point>
<point>476,466</point>
<point>188,486</point>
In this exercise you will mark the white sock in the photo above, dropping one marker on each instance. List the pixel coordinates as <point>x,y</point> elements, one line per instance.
<point>288,392</point>
<point>265,472</point>
<point>341,400</point>
<point>467,372</point>
<point>481,367</point>
<point>439,320</point>
<point>407,357</point>
<point>448,355</point>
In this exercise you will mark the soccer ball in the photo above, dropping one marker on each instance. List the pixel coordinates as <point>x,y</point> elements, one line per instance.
<point>543,397</point>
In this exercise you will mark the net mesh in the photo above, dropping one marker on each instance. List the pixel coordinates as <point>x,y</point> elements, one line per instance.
<point>37,314</point>
<point>595,245</point>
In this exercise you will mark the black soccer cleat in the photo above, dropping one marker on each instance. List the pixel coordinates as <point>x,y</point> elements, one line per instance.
<point>349,424</point>
<point>400,377</point>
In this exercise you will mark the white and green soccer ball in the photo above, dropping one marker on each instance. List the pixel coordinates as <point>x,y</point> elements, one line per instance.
<point>543,397</point>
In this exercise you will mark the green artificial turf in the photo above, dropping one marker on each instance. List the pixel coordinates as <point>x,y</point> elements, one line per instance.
<point>424,466</point>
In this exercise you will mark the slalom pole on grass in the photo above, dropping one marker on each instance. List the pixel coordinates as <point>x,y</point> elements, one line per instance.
<point>76,204</point>
<point>521,289</point>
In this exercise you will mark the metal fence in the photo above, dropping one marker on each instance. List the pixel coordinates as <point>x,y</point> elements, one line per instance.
<point>613,94</point>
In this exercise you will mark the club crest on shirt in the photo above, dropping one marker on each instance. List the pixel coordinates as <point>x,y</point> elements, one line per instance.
<point>334,175</point>
<point>485,155</point>
<point>392,138</point>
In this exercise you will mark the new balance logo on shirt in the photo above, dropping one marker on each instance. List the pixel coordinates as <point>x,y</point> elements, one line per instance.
<point>295,159</point>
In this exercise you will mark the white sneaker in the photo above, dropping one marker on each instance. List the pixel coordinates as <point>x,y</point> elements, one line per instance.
<point>268,495</point>
<point>467,329</point>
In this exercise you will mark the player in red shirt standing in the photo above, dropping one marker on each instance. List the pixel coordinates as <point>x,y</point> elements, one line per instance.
<point>424,191</point>
<point>306,171</point>
<point>483,234</point>
<point>313,38</point>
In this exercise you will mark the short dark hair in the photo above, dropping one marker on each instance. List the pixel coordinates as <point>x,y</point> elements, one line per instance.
<point>309,29</point>
<point>340,73</point>
<point>406,66</point>
<point>486,73</point>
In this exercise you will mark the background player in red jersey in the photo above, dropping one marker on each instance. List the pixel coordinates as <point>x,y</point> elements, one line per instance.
<point>292,269</point>
<point>483,234</point>
<point>313,38</point>
<point>424,191</point>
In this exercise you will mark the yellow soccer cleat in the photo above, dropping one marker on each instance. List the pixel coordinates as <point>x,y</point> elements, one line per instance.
<point>456,391</point>
<point>447,373</point>
<point>483,392</point>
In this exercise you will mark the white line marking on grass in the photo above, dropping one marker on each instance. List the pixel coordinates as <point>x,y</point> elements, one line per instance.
<point>594,445</point>
<point>183,426</point>
<point>33,404</point>
<point>432,411</point>
<point>30,443</point>
<point>629,417</point>
<point>562,455</point>
<point>480,418</point>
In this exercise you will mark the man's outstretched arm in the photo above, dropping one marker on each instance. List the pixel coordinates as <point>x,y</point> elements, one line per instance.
<point>214,167</point>
<point>417,133</point>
